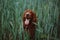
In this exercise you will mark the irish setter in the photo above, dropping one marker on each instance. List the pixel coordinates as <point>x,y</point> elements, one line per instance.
<point>29,20</point>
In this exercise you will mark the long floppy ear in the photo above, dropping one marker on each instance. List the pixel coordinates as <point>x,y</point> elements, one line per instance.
<point>34,17</point>
<point>34,21</point>
<point>23,17</point>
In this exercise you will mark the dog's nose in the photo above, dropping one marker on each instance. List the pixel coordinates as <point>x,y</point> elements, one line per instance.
<point>27,15</point>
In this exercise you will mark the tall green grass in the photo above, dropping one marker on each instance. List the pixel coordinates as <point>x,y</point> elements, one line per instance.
<point>11,12</point>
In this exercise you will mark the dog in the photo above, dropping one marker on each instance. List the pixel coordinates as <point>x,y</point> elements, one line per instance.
<point>29,21</point>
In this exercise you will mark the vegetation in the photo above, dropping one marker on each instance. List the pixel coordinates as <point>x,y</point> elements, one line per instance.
<point>11,12</point>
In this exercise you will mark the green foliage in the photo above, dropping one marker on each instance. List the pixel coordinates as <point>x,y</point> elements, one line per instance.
<point>11,12</point>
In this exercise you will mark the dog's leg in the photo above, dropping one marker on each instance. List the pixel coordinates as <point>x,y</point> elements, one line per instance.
<point>32,34</point>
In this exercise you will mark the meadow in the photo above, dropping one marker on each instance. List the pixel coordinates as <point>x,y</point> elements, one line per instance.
<point>11,13</point>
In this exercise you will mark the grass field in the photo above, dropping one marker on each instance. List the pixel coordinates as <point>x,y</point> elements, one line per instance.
<point>11,12</point>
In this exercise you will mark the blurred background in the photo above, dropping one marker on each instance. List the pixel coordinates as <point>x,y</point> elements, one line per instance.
<point>48,19</point>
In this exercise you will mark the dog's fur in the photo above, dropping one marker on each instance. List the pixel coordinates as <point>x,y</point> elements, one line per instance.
<point>29,18</point>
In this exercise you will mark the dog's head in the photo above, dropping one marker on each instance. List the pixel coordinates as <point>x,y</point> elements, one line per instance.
<point>28,14</point>
<point>29,17</point>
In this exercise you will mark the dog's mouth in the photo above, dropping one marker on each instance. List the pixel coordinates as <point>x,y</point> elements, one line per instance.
<point>27,21</point>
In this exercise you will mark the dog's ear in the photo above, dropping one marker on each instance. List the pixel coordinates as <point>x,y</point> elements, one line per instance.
<point>34,17</point>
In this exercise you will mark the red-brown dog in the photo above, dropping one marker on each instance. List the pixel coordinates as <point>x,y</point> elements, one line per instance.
<point>29,20</point>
